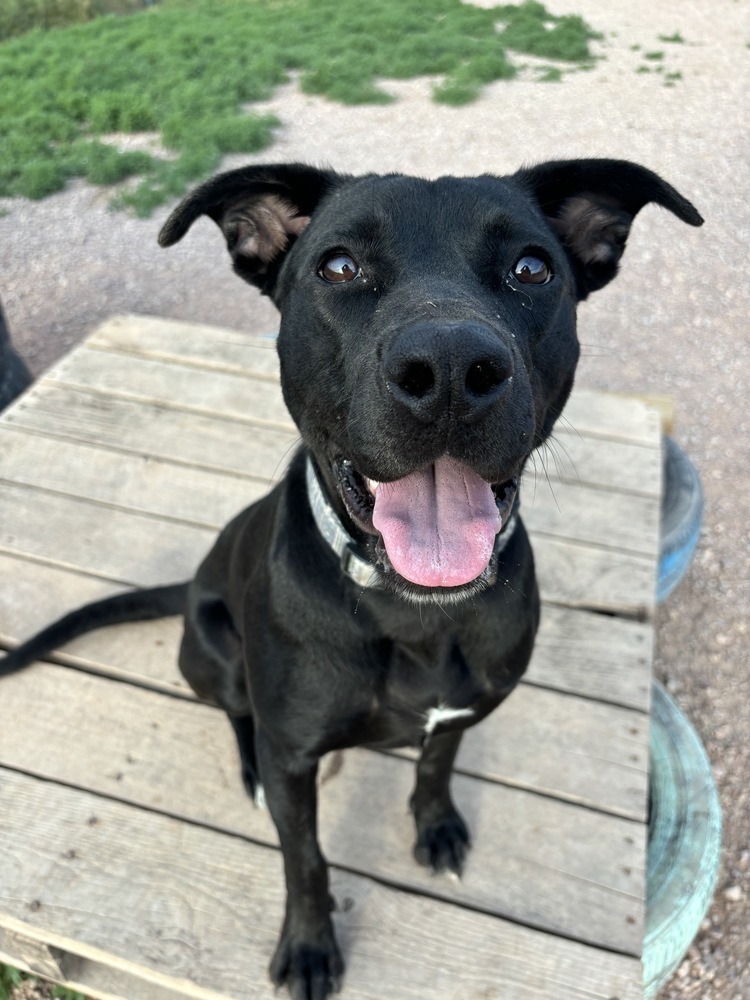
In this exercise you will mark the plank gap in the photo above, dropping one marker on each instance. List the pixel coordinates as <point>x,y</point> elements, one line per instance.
<point>597,699</point>
<point>559,796</point>
<point>140,453</point>
<point>111,505</point>
<point>535,532</point>
<point>38,560</point>
<point>133,397</point>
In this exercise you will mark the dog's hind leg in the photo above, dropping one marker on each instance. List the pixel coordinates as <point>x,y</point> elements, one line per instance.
<point>211,658</point>
<point>442,835</point>
<point>211,662</point>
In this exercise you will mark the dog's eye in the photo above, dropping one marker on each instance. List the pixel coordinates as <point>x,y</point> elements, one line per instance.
<point>339,267</point>
<point>532,271</point>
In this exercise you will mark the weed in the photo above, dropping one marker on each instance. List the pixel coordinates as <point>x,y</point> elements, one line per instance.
<point>11,978</point>
<point>550,74</point>
<point>676,38</point>
<point>653,56</point>
<point>186,69</point>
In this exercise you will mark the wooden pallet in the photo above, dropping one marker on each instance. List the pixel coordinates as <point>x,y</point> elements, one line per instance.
<point>131,862</point>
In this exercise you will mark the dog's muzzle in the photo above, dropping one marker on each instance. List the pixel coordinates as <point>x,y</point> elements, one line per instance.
<point>372,573</point>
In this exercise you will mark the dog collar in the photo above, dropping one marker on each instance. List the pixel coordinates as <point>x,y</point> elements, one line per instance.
<point>357,568</point>
<point>333,531</point>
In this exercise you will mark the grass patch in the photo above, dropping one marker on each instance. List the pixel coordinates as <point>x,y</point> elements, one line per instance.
<point>10,978</point>
<point>675,39</point>
<point>19,16</point>
<point>550,74</point>
<point>187,68</point>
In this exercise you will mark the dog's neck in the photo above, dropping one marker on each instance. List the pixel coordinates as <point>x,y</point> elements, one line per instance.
<point>358,568</point>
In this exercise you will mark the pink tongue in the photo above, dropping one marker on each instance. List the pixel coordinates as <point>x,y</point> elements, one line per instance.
<point>438,524</point>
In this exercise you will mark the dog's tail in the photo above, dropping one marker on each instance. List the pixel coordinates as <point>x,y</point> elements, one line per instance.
<point>132,606</point>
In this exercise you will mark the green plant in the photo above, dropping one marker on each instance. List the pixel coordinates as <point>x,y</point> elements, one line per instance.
<point>10,978</point>
<point>186,69</point>
<point>676,38</point>
<point>18,16</point>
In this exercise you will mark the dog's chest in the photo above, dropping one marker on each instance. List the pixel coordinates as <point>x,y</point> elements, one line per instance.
<point>427,689</point>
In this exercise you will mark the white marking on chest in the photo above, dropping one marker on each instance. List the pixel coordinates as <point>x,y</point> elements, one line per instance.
<point>444,713</point>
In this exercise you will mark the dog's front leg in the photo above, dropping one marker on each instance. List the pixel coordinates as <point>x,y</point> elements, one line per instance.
<point>307,957</point>
<point>442,835</point>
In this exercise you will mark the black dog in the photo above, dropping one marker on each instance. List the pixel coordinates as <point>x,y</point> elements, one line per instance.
<point>427,345</point>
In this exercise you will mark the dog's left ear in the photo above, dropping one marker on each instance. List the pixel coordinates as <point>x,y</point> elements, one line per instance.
<point>261,210</point>
<point>591,204</point>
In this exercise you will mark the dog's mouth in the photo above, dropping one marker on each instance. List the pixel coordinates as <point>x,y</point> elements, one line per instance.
<point>437,525</point>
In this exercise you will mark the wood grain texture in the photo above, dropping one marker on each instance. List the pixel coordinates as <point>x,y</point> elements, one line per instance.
<point>148,428</point>
<point>190,343</point>
<point>199,390</point>
<point>597,656</point>
<point>195,904</point>
<point>134,549</point>
<point>131,482</point>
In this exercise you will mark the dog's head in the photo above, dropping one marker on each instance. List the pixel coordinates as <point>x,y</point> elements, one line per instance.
<point>428,337</point>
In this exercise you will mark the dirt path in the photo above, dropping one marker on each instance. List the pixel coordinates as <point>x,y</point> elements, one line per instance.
<point>674,322</point>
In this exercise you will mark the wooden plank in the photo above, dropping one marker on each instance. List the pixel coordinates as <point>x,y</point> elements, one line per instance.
<point>101,540</point>
<point>146,428</point>
<point>41,593</point>
<point>597,656</point>
<point>559,745</point>
<point>100,974</point>
<point>664,406</point>
<point>562,745</point>
<point>127,481</point>
<point>538,860</point>
<point>192,903</point>
<point>173,384</point>
<point>578,513</point>
<point>581,576</point>
<point>209,347</point>
<point>619,418</point>
<point>595,461</point>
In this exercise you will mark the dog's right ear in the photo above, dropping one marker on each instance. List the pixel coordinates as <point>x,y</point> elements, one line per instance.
<point>261,210</point>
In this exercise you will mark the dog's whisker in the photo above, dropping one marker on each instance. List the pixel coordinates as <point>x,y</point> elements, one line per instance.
<point>556,446</point>
<point>541,452</point>
<point>283,458</point>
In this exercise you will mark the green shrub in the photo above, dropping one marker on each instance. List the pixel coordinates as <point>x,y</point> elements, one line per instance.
<point>187,68</point>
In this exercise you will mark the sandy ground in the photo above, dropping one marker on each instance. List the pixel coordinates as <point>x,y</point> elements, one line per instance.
<point>674,322</point>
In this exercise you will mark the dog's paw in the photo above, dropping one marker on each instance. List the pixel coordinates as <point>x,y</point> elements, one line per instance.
<point>310,969</point>
<point>442,845</point>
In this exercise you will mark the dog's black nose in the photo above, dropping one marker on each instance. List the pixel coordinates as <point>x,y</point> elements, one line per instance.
<point>429,368</point>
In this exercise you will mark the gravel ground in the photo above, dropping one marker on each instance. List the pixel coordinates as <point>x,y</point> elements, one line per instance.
<point>674,321</point>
